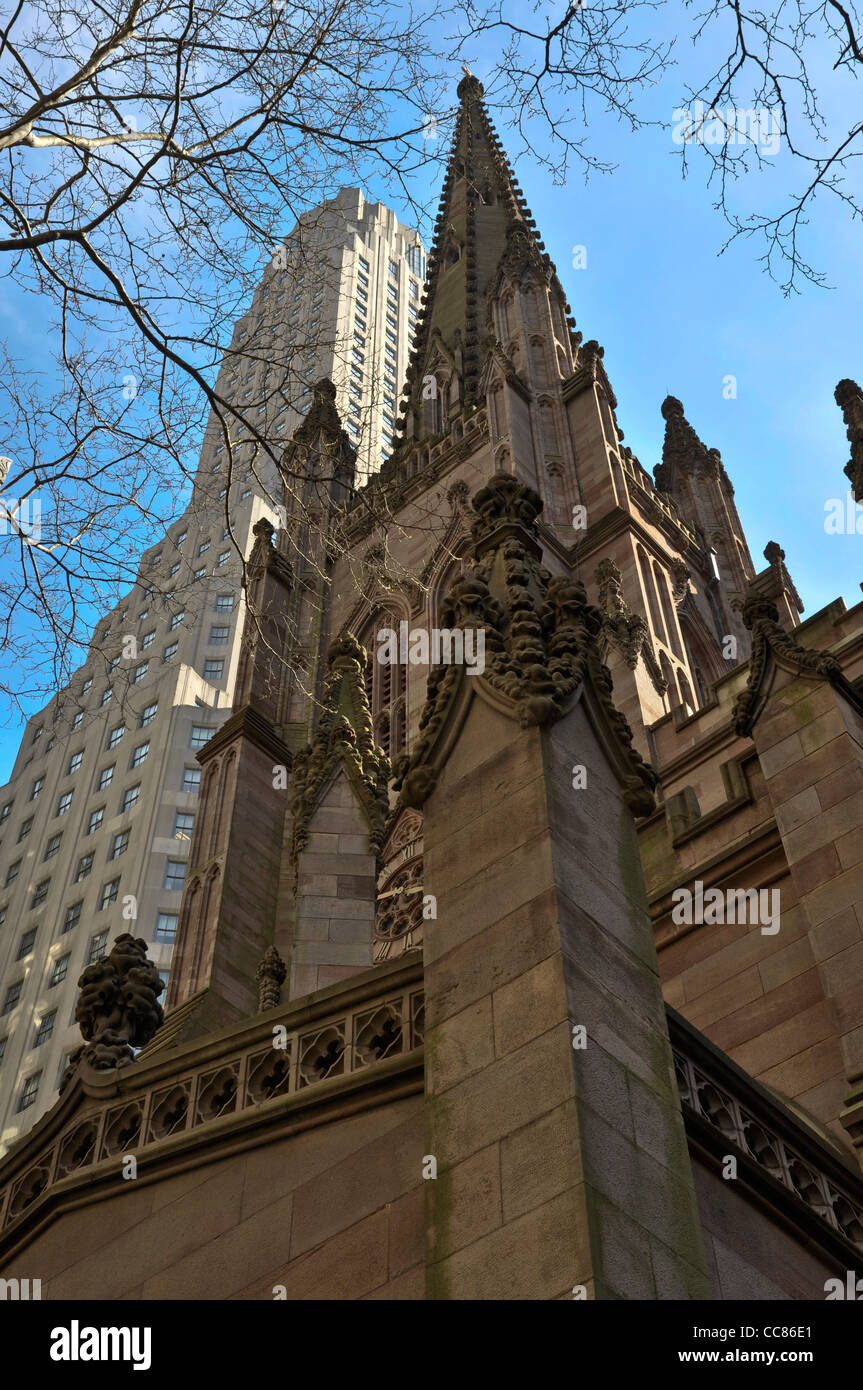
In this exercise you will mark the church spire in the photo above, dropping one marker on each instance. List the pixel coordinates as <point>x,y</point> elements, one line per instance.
<point>483,227</point>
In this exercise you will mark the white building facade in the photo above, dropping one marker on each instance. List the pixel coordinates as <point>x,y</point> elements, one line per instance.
<point>96,819</point>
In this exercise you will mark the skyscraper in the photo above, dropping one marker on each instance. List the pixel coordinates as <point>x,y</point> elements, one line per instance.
<point>96,819</point>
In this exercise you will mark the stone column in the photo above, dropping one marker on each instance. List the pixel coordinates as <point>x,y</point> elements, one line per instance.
<point>553,1114</point>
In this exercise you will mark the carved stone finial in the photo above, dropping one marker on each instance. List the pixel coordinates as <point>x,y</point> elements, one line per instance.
<point>849,398</point>
<point>625,630</point>
<point>773,553</point>
<point>271,975</point>
<point>118,1008</point>
<point>540,642</point>
<point>682,450</point>
<point>344,734</point>
<point>470,88</point>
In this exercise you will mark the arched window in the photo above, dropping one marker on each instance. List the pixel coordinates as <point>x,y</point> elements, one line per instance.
<point>652,600</point>
<point>668,609</point>
<point>385,685</point>
<point>686,692</point>
<point>671,694</point>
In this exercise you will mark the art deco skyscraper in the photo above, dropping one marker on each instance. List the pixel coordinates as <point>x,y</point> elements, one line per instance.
<point>96,819</point>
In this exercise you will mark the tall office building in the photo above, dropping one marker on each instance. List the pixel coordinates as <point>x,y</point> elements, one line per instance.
<point>96,819</point>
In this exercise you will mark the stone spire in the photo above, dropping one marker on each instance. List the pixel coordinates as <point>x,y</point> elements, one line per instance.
<point>483,226</point>
<point>683,452</point>
<point>849,398</point>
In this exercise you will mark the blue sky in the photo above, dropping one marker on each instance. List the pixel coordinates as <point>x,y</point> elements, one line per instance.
<point>675,317</point>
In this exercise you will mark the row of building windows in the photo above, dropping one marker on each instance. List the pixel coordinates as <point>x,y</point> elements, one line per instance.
<point>166,930</point>
<point>175,877</point>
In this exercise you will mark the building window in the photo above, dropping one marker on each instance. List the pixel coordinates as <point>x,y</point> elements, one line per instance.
<point>115,735</point>
<point>26,827</point>
<point>85,864</point>
<point>213,670</point>
<point>60,971</point>
<point>73,916</point>
<point>13,994</point>
<point>176,619</point>
<point>40,893</point>
<point>130,797</point>
<point>223,559</point>
<point>109,893</point>
<point>94,821</point>
<point>97,947</point>
<point>148,715</point>
<point>201,734</point>
<point>140,672</point>
<point>78,720</point>
<point>7,809</point>
<point>86,686</point>
<point>224,603</point>
<point>37,734</point>
<point>63,804</point>
<point>29,1091</point>
<point>25,945</point>
<point>106,695</point>
<point>175,875</point>
<point>12,872</point>
<point>204,546</point>
<point>191,779</point>
<point>52,845</point>
<point>119,844</point>
<point>46,1028</point>
<point>166,927</point>
<point>170,652</point>
<point>105,778</point>
<point>34,792</point>
<point>175,569</point>
<point>3,1042</point>
<point>178,540</point>
<point>147,639</point>
<point>183,825</point>
<point>75,762</point>
<point>219,636</point>
<point>3,911</point>
<point>139,754</point>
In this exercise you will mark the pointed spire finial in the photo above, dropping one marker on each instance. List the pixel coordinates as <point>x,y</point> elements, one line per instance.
<point>849,398</point>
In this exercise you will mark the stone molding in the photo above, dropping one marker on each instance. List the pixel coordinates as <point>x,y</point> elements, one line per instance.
<point>773,646</point>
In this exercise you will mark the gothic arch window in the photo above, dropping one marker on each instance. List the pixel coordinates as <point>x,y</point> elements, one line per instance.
<point>436,404</point>
<point>652,600</point>
<point>686,692</point>
<point>495,410</point>
<point>671,694</point>
<point>385,687</point>
<point>661,579</point>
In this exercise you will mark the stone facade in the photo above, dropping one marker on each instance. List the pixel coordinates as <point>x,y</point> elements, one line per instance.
<point>437,1026</point>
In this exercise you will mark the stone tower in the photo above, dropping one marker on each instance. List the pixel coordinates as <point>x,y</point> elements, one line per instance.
<point>493,710</point>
